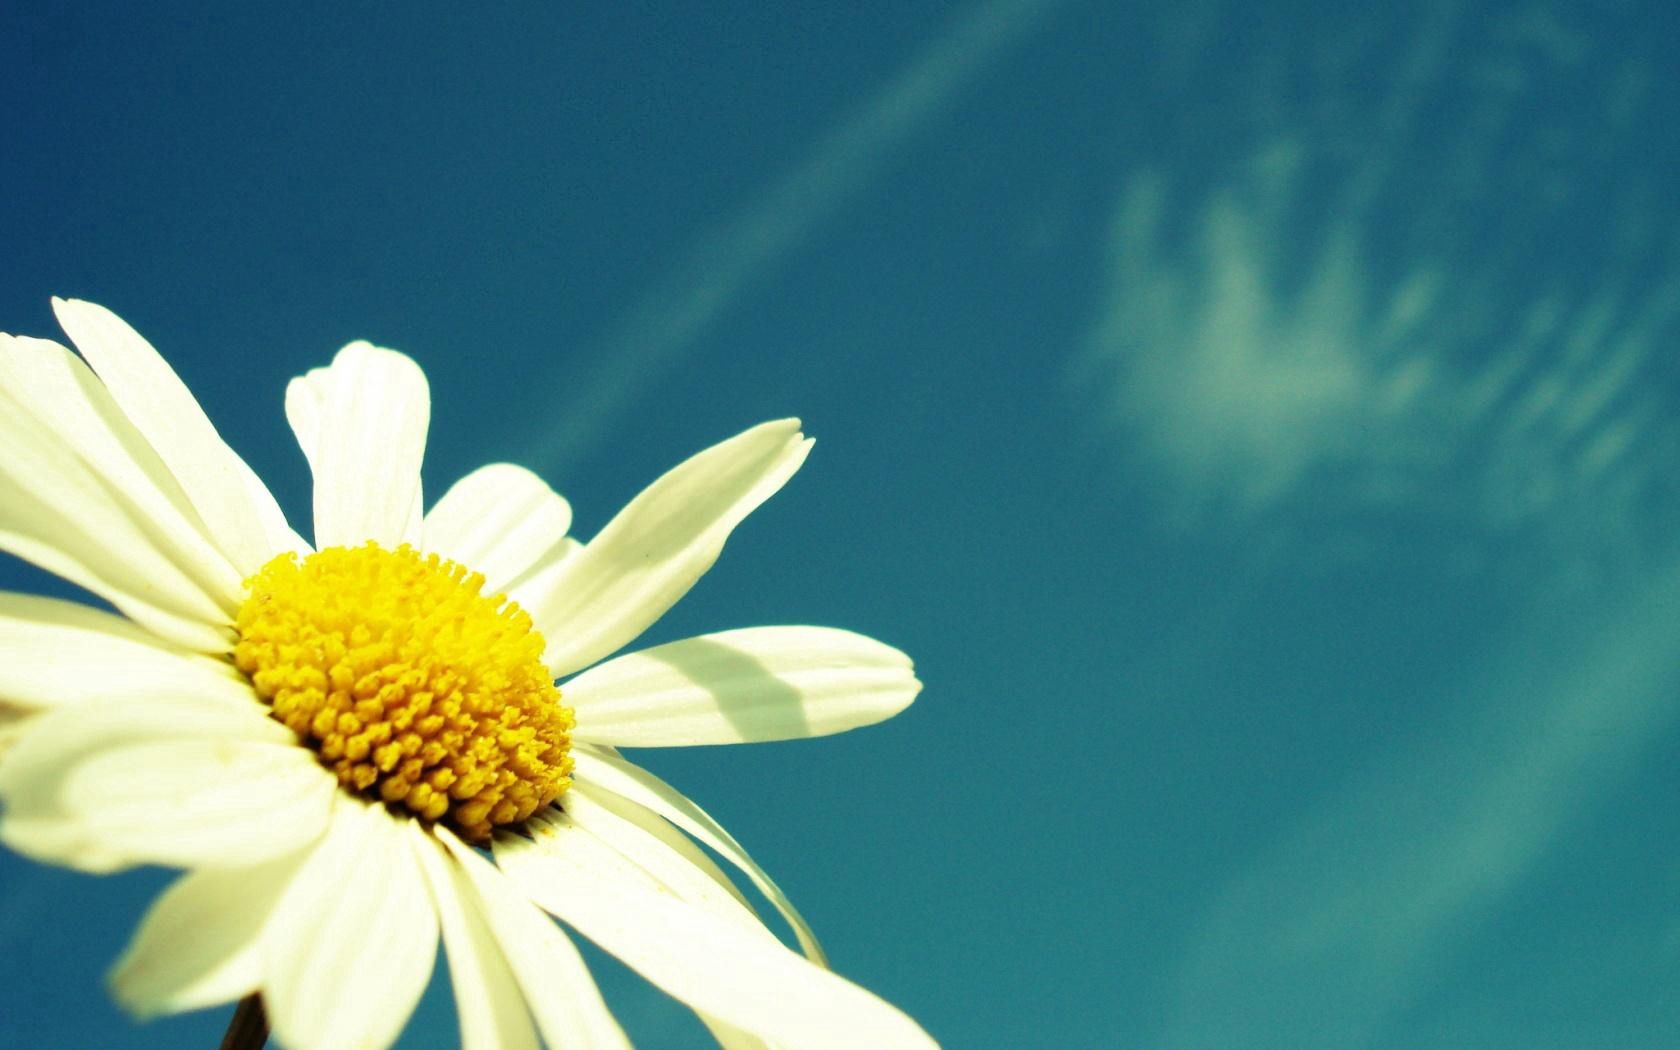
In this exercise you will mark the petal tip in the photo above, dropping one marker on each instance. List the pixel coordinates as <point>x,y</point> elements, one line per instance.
<point>120,979</point>
<point>789,427</point>
<point>61,307</point>
<point>72,307</point>
<point>362,348</point>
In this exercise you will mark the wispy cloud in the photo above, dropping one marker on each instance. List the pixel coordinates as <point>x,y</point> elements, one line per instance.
<point>1382,320</point>
<point>1280,349</point>
<point>1323,940</point>
<point>733,258</point>
<point>1264,378</point>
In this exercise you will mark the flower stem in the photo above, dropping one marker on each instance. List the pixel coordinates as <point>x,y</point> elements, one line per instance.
<point>249,1028</point>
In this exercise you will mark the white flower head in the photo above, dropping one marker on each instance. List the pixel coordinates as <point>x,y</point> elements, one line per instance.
<point>358,747</point>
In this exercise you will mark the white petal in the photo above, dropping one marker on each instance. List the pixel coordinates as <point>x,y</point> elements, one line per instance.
<point>57,652</point>
<point>238,511</point>
<point>663,830</point>
<point>14,723</point>
<point>627,829</point>
<point>606,833</point>
<point>632,782</point>
<point>557,984</point>
<point>353,941</point>
<point>66,400</point>
<point>58,513</point>
<point>190,802</point>
<point>46,757</point>
<point>658,546</point>
<point>671,860</point>
<point>534,581</point>
<point>760,683</point>
<point>146,712</point>
<point>731,1038</point>
<point>493,1014</point>
<point>499,520</point>
<point>362,424</point>
<point>306,410</point>
<point>714,964</point>
<point>200,944</point>
<point>278,534</point>
<point>102,786</point>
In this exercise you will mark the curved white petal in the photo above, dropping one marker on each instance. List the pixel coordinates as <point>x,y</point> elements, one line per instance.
<point>626,828</point>
<point>306,409</point>
<point>58,513</point>
<point>279,534</point>
<point>648,556</point>
<point>731,1038</point>
<point>67,403</point>
<point>760,683</point>
<point>492,1012</point>
<point>557,985</point>
<point>147,712</point>
<point>49,812</point>
<point>659,851</point>
<point>103,786</point>
<point>362,424</point>
<point>14,723</point>
<point>715,964</point>
<point>533,580</point>
<point>200,943</point>
<point>624,778</point>
<point>353,940</point>
<point>616,838</point>
<point>57,652</point>
<point>499,520</point>
<point>655,825</point>
<point>239,513</point>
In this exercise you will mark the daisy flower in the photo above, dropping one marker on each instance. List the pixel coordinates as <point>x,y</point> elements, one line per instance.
<point>358,747</point>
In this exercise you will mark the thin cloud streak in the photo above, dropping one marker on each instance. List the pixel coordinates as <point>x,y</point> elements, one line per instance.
<point>1326,939</point>
<point>1266,376</point>
<point>1273,354</point>
<point>1408,353</point>
<point>740,253</point>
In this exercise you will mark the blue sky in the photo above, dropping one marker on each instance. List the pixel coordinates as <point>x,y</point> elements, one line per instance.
<point>1256,420</point>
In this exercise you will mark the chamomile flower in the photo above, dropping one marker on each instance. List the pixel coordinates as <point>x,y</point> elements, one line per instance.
<point>356,747</point>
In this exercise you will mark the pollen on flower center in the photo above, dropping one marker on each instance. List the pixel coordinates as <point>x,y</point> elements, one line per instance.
<point>410,685</point>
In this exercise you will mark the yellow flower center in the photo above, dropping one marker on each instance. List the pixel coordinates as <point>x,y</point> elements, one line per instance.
<point>410,685</point>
